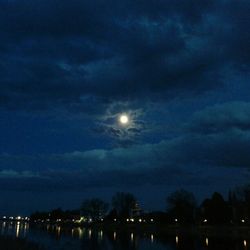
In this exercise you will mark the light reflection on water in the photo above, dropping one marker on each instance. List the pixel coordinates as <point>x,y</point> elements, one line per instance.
<point>152,238</point>
<point>89,233</point>
<point>18,229</point>
<point>176,239</point>
<point>100,235</point>
<point>207,242</point>
<point>131,236</point>
<point>57,237</point>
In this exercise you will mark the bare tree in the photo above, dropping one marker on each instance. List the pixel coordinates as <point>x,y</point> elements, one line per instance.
<point>123,203</point>
<point>94,209</point>
<point>182,206</point>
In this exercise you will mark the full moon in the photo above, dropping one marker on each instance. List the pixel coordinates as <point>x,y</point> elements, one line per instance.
<point>124,119</point>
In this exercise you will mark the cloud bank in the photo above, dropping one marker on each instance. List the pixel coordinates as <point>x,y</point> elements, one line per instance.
<point>61,54</point>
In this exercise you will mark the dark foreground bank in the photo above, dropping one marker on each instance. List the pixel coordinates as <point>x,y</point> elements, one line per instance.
<point>11,243</point>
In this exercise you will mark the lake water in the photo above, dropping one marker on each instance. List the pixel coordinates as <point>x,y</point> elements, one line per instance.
<point>55,237</point>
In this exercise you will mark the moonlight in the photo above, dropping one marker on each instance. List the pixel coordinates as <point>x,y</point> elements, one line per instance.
<point>124,119</point>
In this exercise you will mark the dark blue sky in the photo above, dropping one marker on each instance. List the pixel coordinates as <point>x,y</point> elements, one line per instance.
<point>69,69</point>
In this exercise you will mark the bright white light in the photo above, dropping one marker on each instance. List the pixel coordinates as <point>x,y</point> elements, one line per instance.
<point>124,119</point>
<point>131,236</point>
<point>206,241</point>
<point>177,240</point>
<point>152,238</point>
<point>245,243</point>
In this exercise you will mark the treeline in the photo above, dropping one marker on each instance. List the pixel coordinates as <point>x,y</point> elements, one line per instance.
<point>181,209</point>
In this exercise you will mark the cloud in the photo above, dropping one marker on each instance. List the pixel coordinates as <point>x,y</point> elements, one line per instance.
<point>58,53</point>
<point>167,163</point>
<point>123,135</point>
<point>14,174</point>
<point>214,142</point>
<point>210,131</point>
<point>221,118</point>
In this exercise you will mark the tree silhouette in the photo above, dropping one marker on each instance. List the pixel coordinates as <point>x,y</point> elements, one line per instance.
<point>123,203</point>
<point>94,209</point>
<point>181,205</point>
<point>216,210</point>
<point>57,214</point>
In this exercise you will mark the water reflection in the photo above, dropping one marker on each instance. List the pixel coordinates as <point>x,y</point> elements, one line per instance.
<point>80,232</point>
<point>245,244</point>
<point>58,231</point>
<point>3,227</point>
<point>17,229</point>
<point>152,238</point>
<point>131,236</point>
<point>100,235</point>
<point>207,242</point>
<point>176,240</point>
<point>90,233</point>
<point>78,238</point>
<point>26,227</point>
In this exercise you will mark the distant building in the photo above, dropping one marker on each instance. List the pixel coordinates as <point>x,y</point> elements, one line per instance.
<point>136,211</point>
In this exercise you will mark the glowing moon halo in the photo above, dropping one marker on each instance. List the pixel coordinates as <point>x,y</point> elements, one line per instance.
<point>124,119</point>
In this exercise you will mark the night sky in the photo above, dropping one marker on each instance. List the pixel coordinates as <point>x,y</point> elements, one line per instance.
<point>178,69</point>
